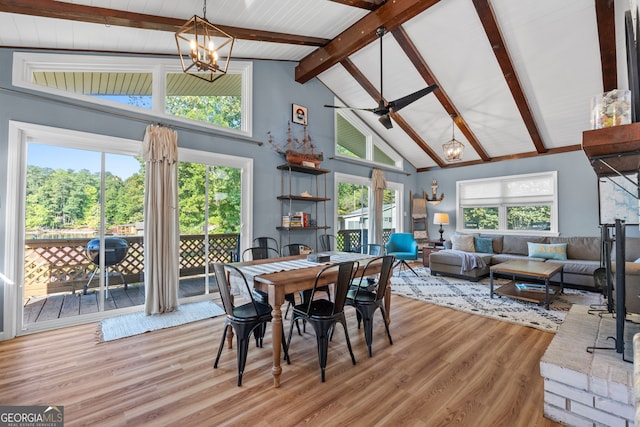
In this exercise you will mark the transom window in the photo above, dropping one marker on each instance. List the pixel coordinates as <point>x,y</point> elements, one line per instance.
<point>155,86</point>
<point>513,204</point>
<point>356,141</point>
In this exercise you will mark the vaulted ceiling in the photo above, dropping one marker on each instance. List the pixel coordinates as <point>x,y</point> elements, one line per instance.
<point>516,76</point>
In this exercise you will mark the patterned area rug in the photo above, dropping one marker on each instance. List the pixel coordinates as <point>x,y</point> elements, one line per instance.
<point>127,325</point>
<point>470,297</point>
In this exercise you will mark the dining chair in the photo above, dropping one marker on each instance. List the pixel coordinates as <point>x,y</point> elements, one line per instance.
<point>296,249</point>
<point>372,249</point>
<point>404,247</point>
<point>267,242</point>
<point>245,319</point>
<point>328,242</point>
<point>366,301</point>
<point>259,252</point>
<point>324,314</point>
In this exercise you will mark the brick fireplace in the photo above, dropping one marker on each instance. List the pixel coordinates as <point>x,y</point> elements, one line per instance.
<point>587,389</point>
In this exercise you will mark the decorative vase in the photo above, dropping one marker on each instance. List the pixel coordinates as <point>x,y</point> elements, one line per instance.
<point>611,108</point>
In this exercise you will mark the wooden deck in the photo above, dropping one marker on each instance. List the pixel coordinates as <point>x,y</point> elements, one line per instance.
<point>62,305</point>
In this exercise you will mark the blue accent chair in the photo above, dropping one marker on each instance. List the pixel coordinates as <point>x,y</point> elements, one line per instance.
<point>404,247</point>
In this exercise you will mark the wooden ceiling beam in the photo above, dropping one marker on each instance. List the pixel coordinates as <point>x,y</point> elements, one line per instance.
<point>490,24</point>
<point>391,15</point>
<point>606,20</point>
<point>423,68</point>
<point>362,4</point>
<point>373,92</point>
<point>100,15</point>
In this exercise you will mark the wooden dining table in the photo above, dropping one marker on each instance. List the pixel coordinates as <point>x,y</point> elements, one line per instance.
<point>280,283</point>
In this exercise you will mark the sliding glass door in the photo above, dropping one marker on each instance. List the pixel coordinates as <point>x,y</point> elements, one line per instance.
<point>355,211</point>
<point>76,212</point>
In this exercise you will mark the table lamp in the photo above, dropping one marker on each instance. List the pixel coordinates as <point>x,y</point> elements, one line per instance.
<point>441,219</point>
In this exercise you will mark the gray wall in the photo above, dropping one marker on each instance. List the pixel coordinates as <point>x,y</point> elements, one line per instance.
<point>274,91</point>
<point>577,189</point>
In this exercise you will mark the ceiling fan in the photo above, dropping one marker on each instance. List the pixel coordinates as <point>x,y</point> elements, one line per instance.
<point>383,109</point>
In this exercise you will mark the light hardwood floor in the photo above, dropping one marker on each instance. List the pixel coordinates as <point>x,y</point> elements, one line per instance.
<point>444,368</point>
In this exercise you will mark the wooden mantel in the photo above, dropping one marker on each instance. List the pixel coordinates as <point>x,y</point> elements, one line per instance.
<point>618,146</point>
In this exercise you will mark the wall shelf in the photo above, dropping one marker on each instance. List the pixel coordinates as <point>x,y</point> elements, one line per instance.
<point>293,201</point>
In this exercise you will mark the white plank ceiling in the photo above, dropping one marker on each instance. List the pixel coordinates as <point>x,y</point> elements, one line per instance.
<point>553,47</point>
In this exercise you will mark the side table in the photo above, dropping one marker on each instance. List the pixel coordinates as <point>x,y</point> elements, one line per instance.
<point>428,248</point>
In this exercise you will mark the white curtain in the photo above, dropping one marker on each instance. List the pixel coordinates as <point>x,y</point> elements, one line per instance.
<point>379,185</point>
<point>161,226</point>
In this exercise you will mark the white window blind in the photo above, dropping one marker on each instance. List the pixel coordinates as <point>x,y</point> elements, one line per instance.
<point>514,189</point>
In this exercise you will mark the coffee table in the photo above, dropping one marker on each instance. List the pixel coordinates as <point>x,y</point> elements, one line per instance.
<point>522,269</point>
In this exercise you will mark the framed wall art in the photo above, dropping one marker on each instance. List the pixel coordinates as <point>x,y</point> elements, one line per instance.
<point>618,199</point>
<point>299,114</point>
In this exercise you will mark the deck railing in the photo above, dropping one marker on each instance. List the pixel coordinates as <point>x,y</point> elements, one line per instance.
<point>60,265</point>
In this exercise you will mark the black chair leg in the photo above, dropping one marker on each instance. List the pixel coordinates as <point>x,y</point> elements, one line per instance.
<point>403,264</point>
<point>243,347</point>
<point>346,335</point>
<point>224,336</point>
<point>386,323</point>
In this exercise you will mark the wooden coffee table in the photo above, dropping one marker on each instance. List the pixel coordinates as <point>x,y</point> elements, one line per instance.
<point>523,270</point>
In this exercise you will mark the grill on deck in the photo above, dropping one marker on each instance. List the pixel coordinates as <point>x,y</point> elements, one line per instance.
<point>115,250</point>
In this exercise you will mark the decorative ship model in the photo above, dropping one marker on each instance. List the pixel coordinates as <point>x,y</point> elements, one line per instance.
<point>298,151</point>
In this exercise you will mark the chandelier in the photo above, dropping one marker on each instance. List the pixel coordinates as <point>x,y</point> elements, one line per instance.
<point>199,54</point>
<point>453,149</point>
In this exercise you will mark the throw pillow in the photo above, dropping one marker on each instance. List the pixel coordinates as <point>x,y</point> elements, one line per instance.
<point>548,251</point>
<point>483,244</point>
<point>462,242</point>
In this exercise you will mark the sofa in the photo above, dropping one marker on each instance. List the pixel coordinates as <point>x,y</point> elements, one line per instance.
<point>582,256</point>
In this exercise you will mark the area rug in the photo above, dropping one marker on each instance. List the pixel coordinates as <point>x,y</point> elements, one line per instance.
<point>127,325</point>
<point>473,297</point>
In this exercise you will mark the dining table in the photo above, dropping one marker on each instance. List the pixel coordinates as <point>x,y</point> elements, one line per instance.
<point>288,275</point>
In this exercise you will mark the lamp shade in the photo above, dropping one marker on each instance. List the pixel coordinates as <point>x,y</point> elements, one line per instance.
<point>440,218</point>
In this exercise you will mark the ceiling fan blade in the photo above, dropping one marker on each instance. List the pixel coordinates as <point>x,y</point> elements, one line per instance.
<point>406,100</point>
<point>386,121</point>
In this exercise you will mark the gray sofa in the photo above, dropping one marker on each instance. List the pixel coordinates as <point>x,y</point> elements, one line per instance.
<point>583,258</point>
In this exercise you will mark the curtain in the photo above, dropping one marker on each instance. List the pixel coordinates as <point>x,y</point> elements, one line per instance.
<point>379,185</point>
<point>161,226</point>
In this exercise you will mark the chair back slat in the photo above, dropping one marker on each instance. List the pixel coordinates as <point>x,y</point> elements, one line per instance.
<point>346,273</point>
<point>225,287</point>
<point>385,273</point>
<point>267,242</point>
<point>259,252</point>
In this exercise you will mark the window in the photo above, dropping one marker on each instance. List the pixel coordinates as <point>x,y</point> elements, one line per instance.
<point>354,208</point>
<point>509,204</point>
<point>354,140</point>
<point>154,86</point>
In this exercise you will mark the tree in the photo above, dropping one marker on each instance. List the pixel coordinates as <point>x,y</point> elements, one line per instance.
<point>218,110</point>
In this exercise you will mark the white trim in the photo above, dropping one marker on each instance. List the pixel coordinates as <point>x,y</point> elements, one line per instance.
<point>26,63</point>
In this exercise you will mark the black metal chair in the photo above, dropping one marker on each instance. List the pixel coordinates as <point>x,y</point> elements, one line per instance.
<point>323,314</point>
<point>373,249</point>
<point>366,302</point>
<point>296,249</point>
<point>245,319</point>
<point>328,242</point>
<point>267,242</point>
<point>259,252</point>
